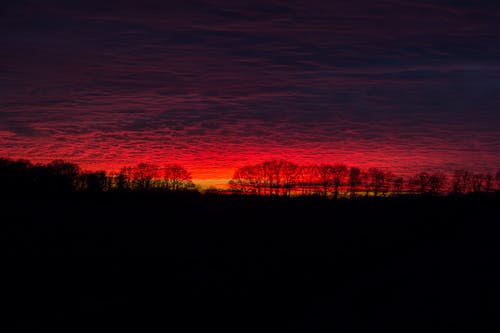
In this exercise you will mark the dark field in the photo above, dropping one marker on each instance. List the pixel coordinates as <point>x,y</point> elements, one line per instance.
<point>165,263</point>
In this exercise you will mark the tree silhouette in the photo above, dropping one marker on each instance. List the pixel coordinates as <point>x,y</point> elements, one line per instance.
<point>124,179</point>
<point>15,176</point>
<point>257,179</point>
<point>398,184</point>
<point>288,172</point>
<point>461,182</point>
<point>339,174</point>
<point>424,183</point>
<point>176,178</point>
<point>437,183</point>
<point>93,182</point>
<point>143,176</point>
<point>388,184</point>
<point>246,180</point>
<point>268,178</point>
<point>355,181</point>
<point>478,182</point>
<point>489,183</point>
<point>420,183</point>
<point>273,177</point>
<point>497,180</point>
<point>376,181</point>
<point>325,177</point>
<point>307,179</point>
<point>63,176</point>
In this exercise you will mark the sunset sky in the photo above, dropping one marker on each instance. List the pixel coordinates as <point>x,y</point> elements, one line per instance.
<point>216,84</point>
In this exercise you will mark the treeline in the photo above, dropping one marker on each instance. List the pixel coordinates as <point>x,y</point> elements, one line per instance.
<point>270,178</point>
<point>58,176</point>
<point>284,178</point>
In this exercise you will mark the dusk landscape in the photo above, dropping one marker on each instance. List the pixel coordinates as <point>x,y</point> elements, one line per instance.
<point>293,166</point>
<point>213,85</point>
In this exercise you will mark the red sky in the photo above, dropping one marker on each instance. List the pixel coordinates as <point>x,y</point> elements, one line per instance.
<point>400,85</point>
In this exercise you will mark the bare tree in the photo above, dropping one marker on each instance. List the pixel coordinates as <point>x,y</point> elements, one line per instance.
<point>241,179</point>
<point>289,173</point>
<point>64,175</point>
<point>355,181</point>
<point>438,182</point>
<point>285,178</point>
<point>176,178</point>
<point>93,182</point>
<point>339,175</point>
<point>307,178</point>
<point>18,176</point>
<point>377,181</point>
<point>420,183</point>
<point>325,177</point>
<point>257,179</point>
<point>388,184</point>
<point>123,179</point>
<point>269,175</point>
<point>59,176</point>
<point>497,181</point>
<point>250,179</point>
<point>478,182</point>
<point>430,184</point>
<point>138,178</point>
<point>398,184</point>
<point>488,184</point>
<point>461,182</point>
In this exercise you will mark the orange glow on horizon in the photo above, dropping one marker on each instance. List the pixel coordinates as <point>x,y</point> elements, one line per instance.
<point>215,169</point>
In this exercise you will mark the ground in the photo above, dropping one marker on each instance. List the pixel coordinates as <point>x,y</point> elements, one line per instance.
<point>193,262</point>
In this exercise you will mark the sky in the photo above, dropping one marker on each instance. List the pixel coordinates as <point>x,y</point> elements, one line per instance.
<point>215,84</point>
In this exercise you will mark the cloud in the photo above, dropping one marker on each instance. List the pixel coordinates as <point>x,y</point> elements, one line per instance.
<point>214,84</point>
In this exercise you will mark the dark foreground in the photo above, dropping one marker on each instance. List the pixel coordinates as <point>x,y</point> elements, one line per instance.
<point>147,264</point>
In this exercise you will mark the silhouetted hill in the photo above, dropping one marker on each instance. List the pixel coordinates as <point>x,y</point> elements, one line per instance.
<point>146,262</point>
